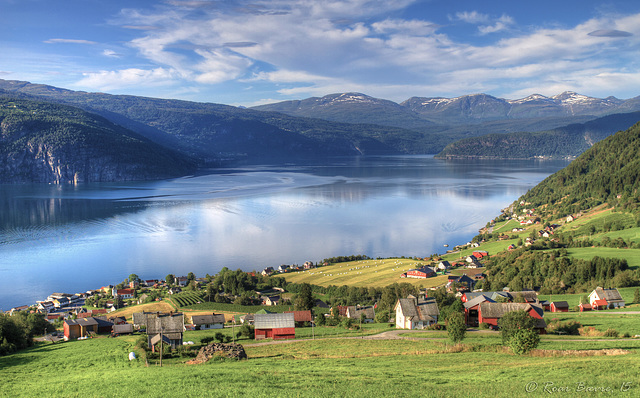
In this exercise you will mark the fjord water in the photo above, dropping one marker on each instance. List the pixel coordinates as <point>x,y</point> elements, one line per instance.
<point>65,238</point>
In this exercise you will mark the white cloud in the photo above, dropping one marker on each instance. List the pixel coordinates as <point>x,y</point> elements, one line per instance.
<point>111,54</point>
<point>472,17</point>
<point>133,77</point>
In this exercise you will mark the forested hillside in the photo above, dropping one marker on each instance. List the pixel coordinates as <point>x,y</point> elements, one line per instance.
<point>563,142</point>
<point>608,172</point>
<point>44,142</point>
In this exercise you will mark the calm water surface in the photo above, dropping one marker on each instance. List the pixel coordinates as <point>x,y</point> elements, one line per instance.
<point>76,238</point>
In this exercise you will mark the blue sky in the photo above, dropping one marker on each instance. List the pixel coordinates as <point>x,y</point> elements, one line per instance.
<point>254,52</point>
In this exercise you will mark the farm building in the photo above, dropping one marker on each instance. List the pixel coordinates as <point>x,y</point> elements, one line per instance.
<point>82,327</point>
<point>412,313</point>
<point>559,306</point>
<point>212,321</point>
<point>424,272</point>
<point>300,317</point>
<point>611,296</point>
<point>356,311</point>
<point>274,326</point>
<point>171,326</point>
<point>471,309</point>
<point>490,313</point>
<point>585,307</point>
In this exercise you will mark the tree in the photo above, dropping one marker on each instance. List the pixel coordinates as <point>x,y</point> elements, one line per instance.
<point>456,327</point>
<point>134,278</point>
<point>636,295</point>
<point>170,279</point>
<point>518,331</point>
<point>304,299</point>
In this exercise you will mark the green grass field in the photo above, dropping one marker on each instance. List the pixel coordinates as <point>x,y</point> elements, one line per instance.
<point>586,253</point>
<point>323,368</point>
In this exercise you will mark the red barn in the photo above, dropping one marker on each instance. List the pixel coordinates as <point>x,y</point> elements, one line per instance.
<point>274,326</point>
<point>585,307</point>
<point>424,272</point>
<point>559,306</point>
<point>490,313</point>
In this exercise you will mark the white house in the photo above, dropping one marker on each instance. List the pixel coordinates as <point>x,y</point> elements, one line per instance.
<point>411,313</point>
<point>611,296</point>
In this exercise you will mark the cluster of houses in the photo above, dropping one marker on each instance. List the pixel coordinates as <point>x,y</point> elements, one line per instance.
<point>281,269</point>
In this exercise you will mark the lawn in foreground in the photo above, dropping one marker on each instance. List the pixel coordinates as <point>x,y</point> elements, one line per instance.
<point>331,367</point>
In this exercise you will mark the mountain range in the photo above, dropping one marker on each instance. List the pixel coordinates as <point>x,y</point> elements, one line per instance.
<point>209,134</point>
<point>467,109</point>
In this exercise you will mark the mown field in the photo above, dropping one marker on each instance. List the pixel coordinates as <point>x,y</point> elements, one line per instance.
<point>352,367</point>
<point>367,273</point>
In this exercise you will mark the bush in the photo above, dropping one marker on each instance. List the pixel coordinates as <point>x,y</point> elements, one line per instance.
<point>523,341</point>
<point>456,327</point>
<point>483,326</point>
<point>611,333</point>
<point>570,327</point>
<point>206,340</point>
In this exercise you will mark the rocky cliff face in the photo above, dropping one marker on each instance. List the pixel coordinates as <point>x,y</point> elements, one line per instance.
<point>47,143</point>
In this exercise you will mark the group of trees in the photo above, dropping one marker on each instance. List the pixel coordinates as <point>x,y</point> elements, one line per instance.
<point>17,331</point>
<point>555,272</point>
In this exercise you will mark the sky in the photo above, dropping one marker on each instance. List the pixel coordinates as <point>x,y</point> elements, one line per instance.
<point>249,53</point>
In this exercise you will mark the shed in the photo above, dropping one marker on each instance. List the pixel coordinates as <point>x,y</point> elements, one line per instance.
<point>274,326</point>
<point>74,328</point>
<point>212,321</point>
<point>559,306</point>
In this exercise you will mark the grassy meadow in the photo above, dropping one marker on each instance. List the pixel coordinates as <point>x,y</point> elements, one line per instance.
<point>353,367</point>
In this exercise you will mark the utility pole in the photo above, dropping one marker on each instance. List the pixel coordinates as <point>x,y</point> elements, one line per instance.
<point>161,330</point>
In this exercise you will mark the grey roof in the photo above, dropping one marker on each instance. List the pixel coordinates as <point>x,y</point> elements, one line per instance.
<point>477,300</point>
<point>355,312</point>
<point>167,323</point>
<point>124,328</point>
<point>274,321</point>
<point>207,319</point>
<point>611,295</point>
<point>497,310</point>
<point>82,321</point>
<point>140,318</point>
<point>424,311</point>
<point>560,304</point>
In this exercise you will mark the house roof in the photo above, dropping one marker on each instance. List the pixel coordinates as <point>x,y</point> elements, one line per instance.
<point>355,312</point>
<point>611,295</point>
<point>81,322</point>
<point>560,304</point>
<point>167,323</point>
<point>207,319</point>
<point>124,328</point>
<point>423,311</point>
<point>301,316</point>
<point>498,310</point>
<point>274,321</point>
<point>477,300</point>
<point>599,303</point>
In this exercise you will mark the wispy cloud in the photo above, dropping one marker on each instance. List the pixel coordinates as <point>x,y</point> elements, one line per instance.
<point>69,41</point>
<point>609,33</point>
<point>111,54</point>
<point>486,24</point>
<point>110,80</point>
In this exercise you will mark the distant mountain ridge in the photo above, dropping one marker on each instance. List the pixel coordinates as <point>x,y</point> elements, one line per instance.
<point>473,108</point>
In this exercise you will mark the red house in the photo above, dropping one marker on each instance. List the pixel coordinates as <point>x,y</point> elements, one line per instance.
<point>490,313</point>
<point>274,326</point>
<point>480,254</point>
<point>559,306</point>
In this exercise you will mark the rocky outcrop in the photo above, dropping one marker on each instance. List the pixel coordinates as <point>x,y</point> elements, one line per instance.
<point>234,351</point>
